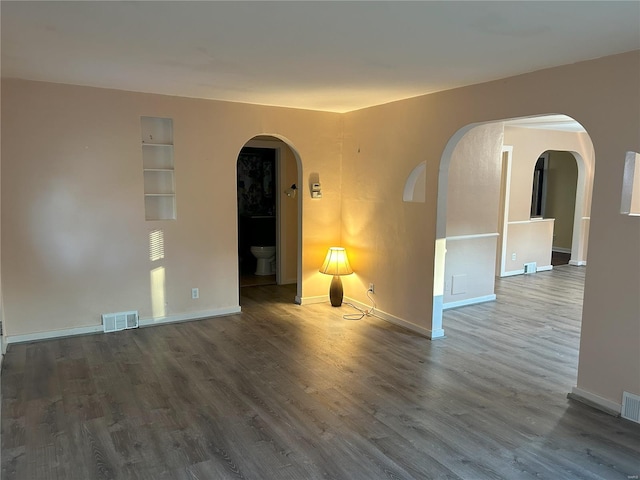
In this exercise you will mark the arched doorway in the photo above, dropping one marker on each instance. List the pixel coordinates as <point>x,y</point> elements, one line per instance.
<point>269,209</point>
<point>484,205</point>
<point>555,182</point>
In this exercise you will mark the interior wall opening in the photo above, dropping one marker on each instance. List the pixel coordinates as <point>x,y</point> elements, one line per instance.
<point>492,219</point>
<point>256,171</point>
<point>555,185</point>
<point>497,189</point>
<point>269,213</point>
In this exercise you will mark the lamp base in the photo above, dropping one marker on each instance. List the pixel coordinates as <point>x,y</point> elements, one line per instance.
<point>335,291</point>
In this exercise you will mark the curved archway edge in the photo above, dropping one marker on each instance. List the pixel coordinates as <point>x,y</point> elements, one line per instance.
<point>581,219</point>
<point>255,139</point>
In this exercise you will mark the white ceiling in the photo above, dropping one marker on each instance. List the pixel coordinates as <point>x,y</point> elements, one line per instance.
<point>334,56</point>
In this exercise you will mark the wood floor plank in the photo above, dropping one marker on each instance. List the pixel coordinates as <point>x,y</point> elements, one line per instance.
<point>289,392</point>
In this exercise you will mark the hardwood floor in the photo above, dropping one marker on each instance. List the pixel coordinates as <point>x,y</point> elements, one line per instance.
<point>289,392</point>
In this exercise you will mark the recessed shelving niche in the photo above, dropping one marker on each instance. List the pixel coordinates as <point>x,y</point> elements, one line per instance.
<point>158,168</point>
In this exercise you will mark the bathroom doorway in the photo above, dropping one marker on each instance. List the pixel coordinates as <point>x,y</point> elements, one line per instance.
<point>268,213</point>
<point>256,174</point>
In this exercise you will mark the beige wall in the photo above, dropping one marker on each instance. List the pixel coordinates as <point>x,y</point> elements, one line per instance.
<point>389,241</point>
<point>473,197</point>
<point>473,193</point>
<point>74,244</point>
<point>469,270</point>
<point>289,217</point>
<point>73,212</point>
<point>562,179</point>
<point>529,241</point>
<point>394,241</point>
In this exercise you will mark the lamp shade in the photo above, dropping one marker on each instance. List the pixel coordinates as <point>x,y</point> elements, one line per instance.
<point>336,262</point>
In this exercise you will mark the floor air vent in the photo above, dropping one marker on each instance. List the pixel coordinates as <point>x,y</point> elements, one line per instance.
<point>630,407</point>
<point>113,322</point>
<point>530,267</point>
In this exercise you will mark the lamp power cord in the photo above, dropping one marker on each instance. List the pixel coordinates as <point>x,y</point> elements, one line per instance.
<point>362,313</point>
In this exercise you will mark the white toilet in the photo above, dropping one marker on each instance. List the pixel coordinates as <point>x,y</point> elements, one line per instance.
<point>266,259</point>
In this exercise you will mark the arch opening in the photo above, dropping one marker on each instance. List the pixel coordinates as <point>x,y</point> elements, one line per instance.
<point>558,191</point>
<point>484,226</point>
<point>269,212</point>
<point>415,186</point>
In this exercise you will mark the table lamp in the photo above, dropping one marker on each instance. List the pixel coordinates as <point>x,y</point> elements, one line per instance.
<point>336,263</point>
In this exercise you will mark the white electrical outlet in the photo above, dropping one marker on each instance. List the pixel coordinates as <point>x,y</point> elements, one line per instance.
<point>372,288</point>
<point>195,293</point>
<point>513,257</point>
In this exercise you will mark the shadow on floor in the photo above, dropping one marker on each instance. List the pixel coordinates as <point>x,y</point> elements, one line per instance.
<point>250,280</point>
<point>559,258</point>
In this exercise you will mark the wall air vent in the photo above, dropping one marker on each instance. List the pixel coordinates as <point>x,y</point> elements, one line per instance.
<point>113,322</point>
<point>630,407</point>
<point>530,267</point>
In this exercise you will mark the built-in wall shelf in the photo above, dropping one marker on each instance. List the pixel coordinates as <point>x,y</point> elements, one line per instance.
<point>158,168</point>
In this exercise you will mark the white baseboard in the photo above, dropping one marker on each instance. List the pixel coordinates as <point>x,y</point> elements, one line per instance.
<point>513,272</point>
<point>521,271</point>
<point>288,281</point>
<point>595,401</point>
<point>311,300</point>
<point>578,263</point>
<point>69,332</point>
<point>187,317</point>
<point>469,301</point>
<point>560,250</point>
<point>399,321</point>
